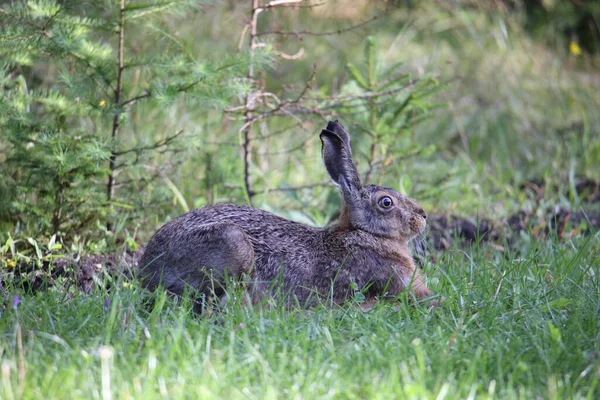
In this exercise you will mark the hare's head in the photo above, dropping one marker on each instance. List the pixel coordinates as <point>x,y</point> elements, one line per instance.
<point>378,210</point>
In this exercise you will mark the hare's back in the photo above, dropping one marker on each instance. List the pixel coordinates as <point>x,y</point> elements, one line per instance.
<point>262,227</point>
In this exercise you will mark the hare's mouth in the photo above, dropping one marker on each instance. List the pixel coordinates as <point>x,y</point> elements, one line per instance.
<point>417,224</point>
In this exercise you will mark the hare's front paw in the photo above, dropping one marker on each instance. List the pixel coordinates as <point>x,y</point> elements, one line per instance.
<point>368,304</point>
<point>435,304</point>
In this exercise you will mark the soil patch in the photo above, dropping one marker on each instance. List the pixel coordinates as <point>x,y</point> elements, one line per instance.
<point>446,231</point>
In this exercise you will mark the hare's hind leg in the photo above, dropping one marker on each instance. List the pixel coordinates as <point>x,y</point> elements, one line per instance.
<point>197,257</point>
<point>220,251</point>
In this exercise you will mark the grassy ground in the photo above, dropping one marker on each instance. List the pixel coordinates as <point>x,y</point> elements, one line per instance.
<point>519,323</point>
<point>514,325</point>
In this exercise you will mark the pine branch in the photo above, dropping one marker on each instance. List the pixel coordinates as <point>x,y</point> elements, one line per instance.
<point>155,146</point>
<point>43,30</point>
<point>147,94</point>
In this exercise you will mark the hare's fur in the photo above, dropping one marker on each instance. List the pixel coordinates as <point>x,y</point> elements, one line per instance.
<point>366,249</point>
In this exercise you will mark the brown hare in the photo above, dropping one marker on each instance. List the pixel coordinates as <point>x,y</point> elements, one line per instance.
<point>365,249</point>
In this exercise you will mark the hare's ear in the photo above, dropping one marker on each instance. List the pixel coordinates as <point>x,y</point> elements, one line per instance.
<point>337,158</point>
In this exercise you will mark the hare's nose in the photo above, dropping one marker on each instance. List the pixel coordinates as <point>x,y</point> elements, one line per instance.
<point>422,213</point>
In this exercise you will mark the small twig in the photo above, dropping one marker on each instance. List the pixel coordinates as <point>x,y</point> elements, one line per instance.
<point>298,111</point>
<point>277,3</point>
<point>149,94</point>
<point>289,3</point>
<point>371,161</point>
<point>136,160</point>
<point>293,188</point>
<point>233,144</point>
<point>136,98</point>
<point>292,57</point>
<point>249,103</point>
<point>370,95</point>
<point>309,83</point>
<point>282,105</point>
<point>242,36</point>
<point>299,34</point>
<point>299,146</point>
<point>278,132</point>
<point>161,143</point>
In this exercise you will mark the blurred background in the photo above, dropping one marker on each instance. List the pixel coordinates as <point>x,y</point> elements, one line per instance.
<point>475,109</point>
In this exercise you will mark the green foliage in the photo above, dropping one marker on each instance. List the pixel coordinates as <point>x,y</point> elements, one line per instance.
<point>520,322</point>
<point>68,90</point>
<point>388,107</point>
<point>515,108</point>
<point>50,165</point>
<point>565,22</point>
<point>26,261</point>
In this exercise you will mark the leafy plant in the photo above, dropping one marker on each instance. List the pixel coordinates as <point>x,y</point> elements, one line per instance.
<point>389,105</point>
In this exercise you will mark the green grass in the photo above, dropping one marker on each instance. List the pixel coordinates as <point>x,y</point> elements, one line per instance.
<point>520,324</point>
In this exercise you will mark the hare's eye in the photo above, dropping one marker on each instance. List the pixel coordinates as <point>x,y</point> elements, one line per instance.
<point>385,202</point>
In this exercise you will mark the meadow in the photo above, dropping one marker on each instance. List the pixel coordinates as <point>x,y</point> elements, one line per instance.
<point>517,325</point>
<point>486,114</point>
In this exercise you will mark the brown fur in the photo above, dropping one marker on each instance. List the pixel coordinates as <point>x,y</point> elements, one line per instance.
<point>366,249</point>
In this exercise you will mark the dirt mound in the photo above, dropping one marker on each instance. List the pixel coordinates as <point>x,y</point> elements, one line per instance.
<point>446,231</point>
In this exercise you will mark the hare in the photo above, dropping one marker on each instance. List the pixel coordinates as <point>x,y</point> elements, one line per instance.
<point>365,249</point>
